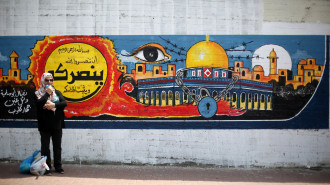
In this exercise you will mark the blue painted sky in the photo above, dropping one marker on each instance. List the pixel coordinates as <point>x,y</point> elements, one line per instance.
<point>22,45</point>
<point>299,47</point>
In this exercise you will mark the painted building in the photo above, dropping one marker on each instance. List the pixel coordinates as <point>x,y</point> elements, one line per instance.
<point>245,94</point>
<point>14,73</point>
<point>307,71</point>
<point>140,71</point>
<point>206,74</point>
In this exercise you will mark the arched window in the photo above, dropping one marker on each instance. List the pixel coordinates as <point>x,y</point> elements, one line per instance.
<point>310,62</point>
<point>157,96</point>
<point>228,96</point>
<point>214,94</point>
<point>309,74</point>
<point>243,97</point>
<point>193,92</point>
<point>147,95</point>
<point>152,97</point>
<point>262,98</point>
<point>204,93</point>
<point>163,95</point>
<point>257,77</point>
<point>157,71</point>
<point>170,95</point>
<point>141,97</point>
<point>301,67</point>
<point>243,73</point>
<point>299,79</point>
<point>250,97</point>
<point>319,68</point>
<point>234,97</point>
<point>268,98</point>
<point>282,73</point>
<point>185,96</point>
<point>15,73</point>
<point>255,97</point>
<point>237,65</point>
<point>140,69</point>
<point>177,95</point>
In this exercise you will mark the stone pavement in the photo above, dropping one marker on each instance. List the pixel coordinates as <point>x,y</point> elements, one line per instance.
<point>124,174</point>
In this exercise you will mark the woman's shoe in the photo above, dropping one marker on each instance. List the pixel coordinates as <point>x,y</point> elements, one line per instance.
<point>48,173</point>
<point>61,171</point>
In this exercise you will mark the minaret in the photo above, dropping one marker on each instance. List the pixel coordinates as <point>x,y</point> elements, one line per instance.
<point>13,60</point>
<point>273,62</point>
<point>14,73</point>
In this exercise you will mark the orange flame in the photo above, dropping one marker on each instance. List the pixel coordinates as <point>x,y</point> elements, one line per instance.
<point>111,100</point>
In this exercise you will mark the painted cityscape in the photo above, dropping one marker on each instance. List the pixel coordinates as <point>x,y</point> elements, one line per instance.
<point>169,77</point>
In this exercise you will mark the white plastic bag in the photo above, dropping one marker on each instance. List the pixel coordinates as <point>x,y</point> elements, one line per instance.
<point>39,166</point>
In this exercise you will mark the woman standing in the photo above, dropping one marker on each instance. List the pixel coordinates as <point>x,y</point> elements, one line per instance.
<point>50,110</point>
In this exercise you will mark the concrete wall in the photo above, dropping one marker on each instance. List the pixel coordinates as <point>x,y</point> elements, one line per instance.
<point>246,148</point>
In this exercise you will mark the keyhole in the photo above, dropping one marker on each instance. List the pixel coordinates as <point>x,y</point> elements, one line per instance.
<point>208,106</point>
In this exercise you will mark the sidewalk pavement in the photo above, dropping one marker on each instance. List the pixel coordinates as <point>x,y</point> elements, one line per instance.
<point>125,174</point>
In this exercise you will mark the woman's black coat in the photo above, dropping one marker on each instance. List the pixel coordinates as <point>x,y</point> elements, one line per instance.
<point>47,120</point>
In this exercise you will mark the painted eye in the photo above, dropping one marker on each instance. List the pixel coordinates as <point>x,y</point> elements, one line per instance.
<point>151,52</point>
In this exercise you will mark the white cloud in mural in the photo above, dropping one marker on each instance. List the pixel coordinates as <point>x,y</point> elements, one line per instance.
<point>300,54</point>
<point>3,58</point>
<point>24,62</point>
<point>126,58</point>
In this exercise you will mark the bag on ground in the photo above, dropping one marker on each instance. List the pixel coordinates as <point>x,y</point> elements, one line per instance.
<point>26,164</point>
<point>39,166</point>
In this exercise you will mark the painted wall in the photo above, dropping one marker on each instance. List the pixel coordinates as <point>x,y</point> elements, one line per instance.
<point>203,146</point>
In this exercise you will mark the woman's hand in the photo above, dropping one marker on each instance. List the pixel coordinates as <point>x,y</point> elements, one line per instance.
<point>49,105</point>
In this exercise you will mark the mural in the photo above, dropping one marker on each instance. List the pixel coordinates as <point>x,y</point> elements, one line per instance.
<point>170,81</point>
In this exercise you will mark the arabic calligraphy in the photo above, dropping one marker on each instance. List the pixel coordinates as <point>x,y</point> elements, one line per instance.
<point>78,89</point>
<point>92,60</point>
<point>79,71</point>
<point>80,75</point>
<point>16,101</point>
<point>85,75</point>
<point>59,71</point>
<point>73,49</point>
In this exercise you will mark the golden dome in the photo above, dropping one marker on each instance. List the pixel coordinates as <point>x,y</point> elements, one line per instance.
<point>207,54</point>
<point>258,68</point>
